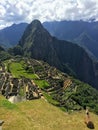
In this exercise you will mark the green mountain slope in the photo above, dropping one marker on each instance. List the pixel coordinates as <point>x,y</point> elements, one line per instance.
<point>4,54</point>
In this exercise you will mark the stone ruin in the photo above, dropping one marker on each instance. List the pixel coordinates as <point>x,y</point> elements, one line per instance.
<point>10,86</point>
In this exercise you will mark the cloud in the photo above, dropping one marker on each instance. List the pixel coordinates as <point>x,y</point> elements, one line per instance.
<point>16,11</point>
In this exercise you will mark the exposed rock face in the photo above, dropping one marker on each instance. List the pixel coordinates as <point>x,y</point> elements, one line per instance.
<point>15,99</point>
<point>37,43</point>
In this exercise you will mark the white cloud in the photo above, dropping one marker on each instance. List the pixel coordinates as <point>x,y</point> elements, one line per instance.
<point>16,11</point>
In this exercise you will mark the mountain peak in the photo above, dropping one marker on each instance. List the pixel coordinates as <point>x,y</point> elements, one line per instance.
<point>35,24</point>
<point>84,37</point>
<point>34,31</point>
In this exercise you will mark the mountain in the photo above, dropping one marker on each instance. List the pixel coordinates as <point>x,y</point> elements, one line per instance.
<point>10,36</point>
<point>88,43</point>
<point>75,31</point>
<point>37,43</point>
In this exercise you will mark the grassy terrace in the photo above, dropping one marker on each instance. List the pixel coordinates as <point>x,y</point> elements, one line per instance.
<point>18,70</point>
<point>41,83</point>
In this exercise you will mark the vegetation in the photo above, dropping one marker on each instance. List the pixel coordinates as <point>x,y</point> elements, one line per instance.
<point>42,83</point>
<point>17,50</point>
<point>22,92</point>
<point>4,103</point>
<point>50,99</point>
<point>86,95</point>
<point>4,55</point>
<point>17,70</point>
<point>76,96</point>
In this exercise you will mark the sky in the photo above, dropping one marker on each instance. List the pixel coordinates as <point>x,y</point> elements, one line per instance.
<point>17,11</point>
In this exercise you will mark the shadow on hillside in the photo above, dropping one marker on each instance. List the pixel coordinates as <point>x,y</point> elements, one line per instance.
<point>90,125</point>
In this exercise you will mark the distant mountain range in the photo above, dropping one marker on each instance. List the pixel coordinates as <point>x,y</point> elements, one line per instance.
<point>37,43</point>
<point>83,33</point>
<point>10,36</point>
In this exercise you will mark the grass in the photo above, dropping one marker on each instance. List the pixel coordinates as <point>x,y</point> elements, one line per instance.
<point>49,99</point>
<point>17,71</point>
<point>41,83</point>
<point>4,103</point>
<point>40,115</point>
<point>22,92</point>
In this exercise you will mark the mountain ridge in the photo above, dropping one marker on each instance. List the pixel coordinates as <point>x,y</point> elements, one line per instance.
<point>64,30</point>
<point>72,30</point>
<point>10,36</point>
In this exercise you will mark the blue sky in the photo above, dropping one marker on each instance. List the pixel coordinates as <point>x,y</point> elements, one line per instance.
<point>17,11</point>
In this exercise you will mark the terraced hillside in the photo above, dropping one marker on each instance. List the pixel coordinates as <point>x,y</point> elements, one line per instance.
<point>31,79</point>
<point>16,81</point>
